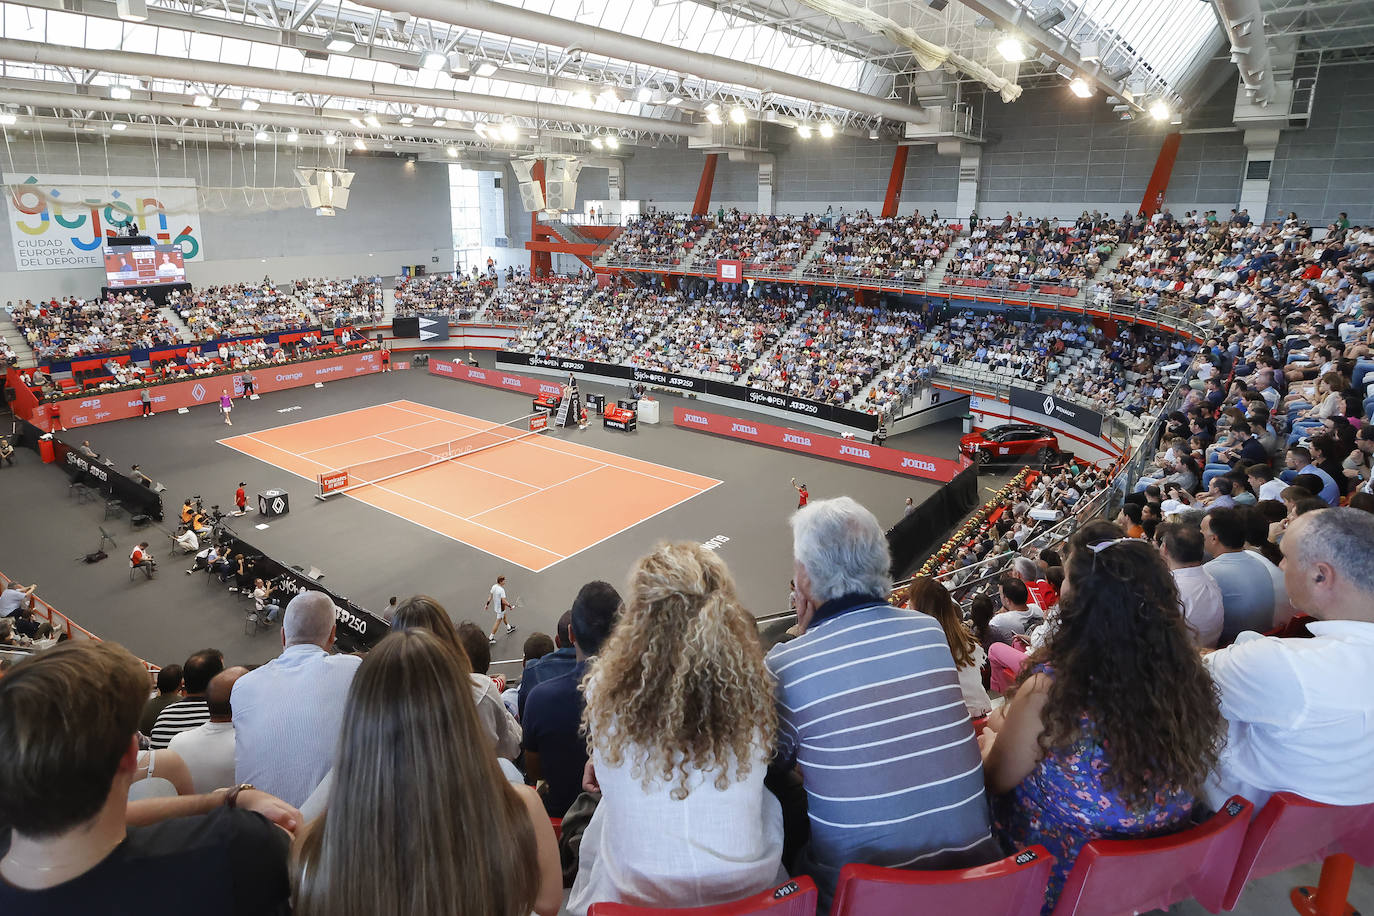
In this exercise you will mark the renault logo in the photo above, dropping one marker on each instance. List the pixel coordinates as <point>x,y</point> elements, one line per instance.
<point>278,505</point>
<point>1049,406</point>
<point>198,392</point>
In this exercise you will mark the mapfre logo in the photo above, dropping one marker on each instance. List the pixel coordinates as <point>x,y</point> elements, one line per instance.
<point>856,452</point>
<point>744,428</point>
<point>796,439</point>
<point>695,418</point>
<point>326,370</point>
<point>918,464</point>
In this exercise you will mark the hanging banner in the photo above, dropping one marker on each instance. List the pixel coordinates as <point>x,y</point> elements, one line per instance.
<point>62,221</point>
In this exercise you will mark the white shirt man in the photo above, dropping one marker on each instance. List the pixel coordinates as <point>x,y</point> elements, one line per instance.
<point>1300,714</point>
<point>288,713</point>
<point>209,749</point>
<point>1181,547</point>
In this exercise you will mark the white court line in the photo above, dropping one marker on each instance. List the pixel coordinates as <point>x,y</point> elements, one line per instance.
<point>362,438</point>
<point>314,419</point>
<point>540,490</point>
<point>678,483</point>
<point>442,460</point>
<point>462,518</point>
<point>395,514</point>
<point>684,499</point>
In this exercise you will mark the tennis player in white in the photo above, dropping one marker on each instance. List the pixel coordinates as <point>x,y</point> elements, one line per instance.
<point>498,598</point>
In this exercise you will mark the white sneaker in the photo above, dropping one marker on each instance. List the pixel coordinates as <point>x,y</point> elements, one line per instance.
<point>492,640</point>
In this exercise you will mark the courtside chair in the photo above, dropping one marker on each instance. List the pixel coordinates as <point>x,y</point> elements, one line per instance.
<point>1112,877</point>
<point>797,897</point>
<point>1014,886</point>
<point>1291,830</point>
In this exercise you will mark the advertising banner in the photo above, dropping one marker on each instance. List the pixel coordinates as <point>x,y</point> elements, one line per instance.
<point>103,407</point>
<point>1058,409</point>
<point>495,378</point>
<point>62,221</point>
<point>677,382</point>
<point>819,446</point>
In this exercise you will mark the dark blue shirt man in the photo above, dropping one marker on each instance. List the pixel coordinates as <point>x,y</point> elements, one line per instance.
<point>558,662</point>
<point>555,751</point>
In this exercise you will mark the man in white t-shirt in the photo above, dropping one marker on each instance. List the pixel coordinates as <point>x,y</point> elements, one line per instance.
<point>1298,719</point>
<point>498,603</point>
<point>209,749</point>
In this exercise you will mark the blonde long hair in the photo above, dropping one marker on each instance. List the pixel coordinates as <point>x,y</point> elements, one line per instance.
<point>682,678</point>
<point>421,821</point>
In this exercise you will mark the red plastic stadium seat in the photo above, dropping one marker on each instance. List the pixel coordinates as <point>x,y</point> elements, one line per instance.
<point>1014,886</point>
<point>1113,877</point>
<point>1292,830</point>
<point>795,898</point>
<point>557,823</point>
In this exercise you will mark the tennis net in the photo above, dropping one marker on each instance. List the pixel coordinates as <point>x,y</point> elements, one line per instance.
<point>378,470</point>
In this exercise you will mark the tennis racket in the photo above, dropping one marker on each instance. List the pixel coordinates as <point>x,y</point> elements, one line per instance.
<point>517,602</point>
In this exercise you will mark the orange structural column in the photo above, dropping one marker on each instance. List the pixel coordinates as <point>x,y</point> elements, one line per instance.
<point>708,178</point>
<point>895,180</point>
<point>1159,178</point>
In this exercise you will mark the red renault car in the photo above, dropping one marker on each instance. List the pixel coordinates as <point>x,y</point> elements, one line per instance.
<point>1010,442</point>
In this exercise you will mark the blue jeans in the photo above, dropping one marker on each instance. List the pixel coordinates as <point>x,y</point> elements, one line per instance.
<point>1212,472</point>
<point>1362,368</point>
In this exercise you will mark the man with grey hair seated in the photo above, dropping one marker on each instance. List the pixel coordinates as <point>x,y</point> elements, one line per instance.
<point>287,714</point>
<point>870,712</point>
<point>1301,712</point>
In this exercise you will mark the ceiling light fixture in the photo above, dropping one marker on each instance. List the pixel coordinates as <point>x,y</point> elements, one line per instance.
<point>293,137</point>
<point>407,120</point>
<point>737,115</point>
<point>713,115</point>
<point>132,10</point>
<point>804,131</point>
<point>644,96</point>
<point>432,60</point>
<point>439,122</point>
<point>262,136</point>
<point>120,92</point>
<point>1011,50</point>
<point>486,68</point>
<point>509,132</point>
<point>356,122</point>
<point>608,97</point>
<point>612,142</point>
<point>118,125</point>
<point>358,143</point>
<point>331,139</point>
<point>675,100</point>
<point>338,42</point>
<point>581,98</point>
<point>201,100</point>
<point>597,143</point>
<point>371,121</point>
<point>458,64</point>
<point>452,151</point>
<point>1159,110</point>
<point>251,105</point>
<point>827,130</point>
<point>1079,87</point>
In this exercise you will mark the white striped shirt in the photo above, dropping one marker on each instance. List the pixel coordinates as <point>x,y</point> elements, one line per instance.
<point>181,716</point>
<point>871,712</point>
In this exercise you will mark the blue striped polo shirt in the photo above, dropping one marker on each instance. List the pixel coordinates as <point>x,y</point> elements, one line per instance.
<point>871,713</point>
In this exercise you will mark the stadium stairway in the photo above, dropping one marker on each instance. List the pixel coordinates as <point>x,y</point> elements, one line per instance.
<point>811,254</point>
<point>18,344</point>
<point>691,260</point>
<point>183,332</point>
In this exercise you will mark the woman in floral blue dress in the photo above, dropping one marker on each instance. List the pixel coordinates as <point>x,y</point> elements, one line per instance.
<point>1115,723</point>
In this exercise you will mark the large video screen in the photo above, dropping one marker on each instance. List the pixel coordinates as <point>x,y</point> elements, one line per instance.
<point>144,265</point>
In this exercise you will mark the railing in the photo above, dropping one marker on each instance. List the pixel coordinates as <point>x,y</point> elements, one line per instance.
<point>61,623</point>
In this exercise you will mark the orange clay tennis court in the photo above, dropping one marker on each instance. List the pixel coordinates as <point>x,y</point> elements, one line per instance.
<point>532,501</point>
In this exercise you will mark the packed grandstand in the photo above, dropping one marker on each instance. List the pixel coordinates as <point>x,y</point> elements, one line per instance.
<point>1233,431</point>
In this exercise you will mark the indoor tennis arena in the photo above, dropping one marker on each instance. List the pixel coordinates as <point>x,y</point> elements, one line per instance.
<point>774,457</point>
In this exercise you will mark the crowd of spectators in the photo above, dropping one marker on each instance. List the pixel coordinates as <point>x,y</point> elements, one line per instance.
<point>658,238</point>
<point>1017,249</point>
<point>522,300</point>
<point>689,761</point>
<point>861,246</point>
<point>341,302</point>
<point>762,241</point>
<point>603,325</point>
<point>71,327</point>
<point>241,309</point>
<point>458,296</point>
<point>721,333</point>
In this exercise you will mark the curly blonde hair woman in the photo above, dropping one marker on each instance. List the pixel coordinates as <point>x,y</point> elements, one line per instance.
<point>681,724</point>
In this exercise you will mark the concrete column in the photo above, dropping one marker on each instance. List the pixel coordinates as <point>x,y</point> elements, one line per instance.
<point>970,162</point>
<point>766,186</point>
<point>1259,160</point>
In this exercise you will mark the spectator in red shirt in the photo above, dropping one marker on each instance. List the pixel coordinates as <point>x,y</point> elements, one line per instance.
<point>241,498</point>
